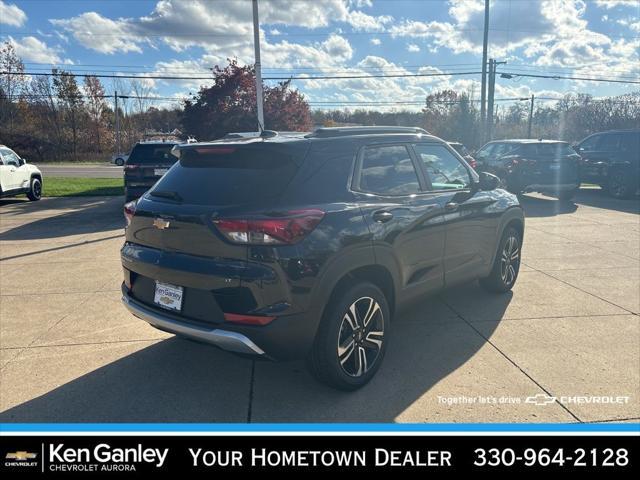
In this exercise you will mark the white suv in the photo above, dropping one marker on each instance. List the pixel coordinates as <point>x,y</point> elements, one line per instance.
<point>16,176</point>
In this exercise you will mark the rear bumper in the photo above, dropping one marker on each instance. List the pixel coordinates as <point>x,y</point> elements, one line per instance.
<point>230,341</point>
<point>287,337</point>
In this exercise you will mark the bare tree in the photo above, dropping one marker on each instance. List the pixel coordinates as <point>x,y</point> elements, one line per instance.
<point>12,84</point>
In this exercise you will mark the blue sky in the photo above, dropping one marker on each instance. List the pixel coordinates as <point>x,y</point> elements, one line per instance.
<point>596,38</point>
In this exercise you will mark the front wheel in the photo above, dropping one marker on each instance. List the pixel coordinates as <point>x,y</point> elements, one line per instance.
<point>566,195</point>
<point>35,192</point>
<point>506,264</point>
<point>119,162</point>
<point>620,185</point>
<point>352,338</point>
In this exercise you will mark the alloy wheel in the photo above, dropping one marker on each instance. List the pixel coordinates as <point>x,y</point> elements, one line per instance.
<point>37,189</point>
<point>509,260</point>
<point>617,185</point>
<point>360,336</point>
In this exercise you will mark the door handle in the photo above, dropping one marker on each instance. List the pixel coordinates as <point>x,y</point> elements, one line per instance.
<point>382,216</point>
<point>451,206</point>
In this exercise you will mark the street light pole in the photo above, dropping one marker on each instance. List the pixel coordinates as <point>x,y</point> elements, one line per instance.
<point>492,87</point>
<point>483,86</point>
<point>258,66</point>
<point>530,116</point>
<point>117,124</point>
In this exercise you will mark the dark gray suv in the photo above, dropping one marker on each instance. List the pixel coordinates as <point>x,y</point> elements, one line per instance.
<point>612,160</point>
<point>288,246</point>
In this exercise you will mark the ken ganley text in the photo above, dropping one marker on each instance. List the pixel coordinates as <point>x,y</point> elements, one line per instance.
<point>262,457</point>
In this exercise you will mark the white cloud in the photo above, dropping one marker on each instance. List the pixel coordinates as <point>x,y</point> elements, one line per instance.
<point>375,41</point>
<point>608,4</point>
<point>412,47</point>
<point>368,23</point>
<point>338,47</point>
<point>34,50</point>
<point>11,14</point>
<point>101,34</point>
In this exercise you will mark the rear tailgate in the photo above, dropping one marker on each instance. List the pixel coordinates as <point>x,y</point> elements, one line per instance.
<point>553,163</point>
<point>148,163</point>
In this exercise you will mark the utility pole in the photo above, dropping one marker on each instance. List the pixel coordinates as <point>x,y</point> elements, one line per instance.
<point>493,65</point>
<point>117,124</point>
<point>483,87</point>
<point>492,88</point>
<point>530,116</point>
<point>256,45</point>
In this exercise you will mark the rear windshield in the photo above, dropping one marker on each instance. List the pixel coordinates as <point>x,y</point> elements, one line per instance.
<point>547,149</point>
<point>229,175</point>
<point>152,153</point>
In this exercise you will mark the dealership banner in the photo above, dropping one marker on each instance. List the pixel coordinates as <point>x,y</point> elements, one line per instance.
<point>128,455</point>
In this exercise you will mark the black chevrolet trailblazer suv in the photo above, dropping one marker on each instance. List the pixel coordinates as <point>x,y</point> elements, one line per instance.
<point>305,245</point>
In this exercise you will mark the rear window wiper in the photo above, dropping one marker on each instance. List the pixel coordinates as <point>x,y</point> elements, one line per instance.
<point>175,196</point>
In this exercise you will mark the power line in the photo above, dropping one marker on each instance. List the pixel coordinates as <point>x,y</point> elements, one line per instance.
<point>284,78</point>
<point>341,77</point>
<point>559,77</point>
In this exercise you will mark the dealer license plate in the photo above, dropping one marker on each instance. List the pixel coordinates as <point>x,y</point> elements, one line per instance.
<point>168,296</point>
<point>158,172</point>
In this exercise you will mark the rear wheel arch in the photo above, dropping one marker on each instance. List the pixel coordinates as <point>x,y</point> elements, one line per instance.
<point>376,274</point>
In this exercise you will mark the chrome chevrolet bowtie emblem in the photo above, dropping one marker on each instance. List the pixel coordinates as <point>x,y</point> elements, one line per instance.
<point>161,223</point>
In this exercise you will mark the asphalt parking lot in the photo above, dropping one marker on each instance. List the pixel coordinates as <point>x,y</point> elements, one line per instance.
<point>554,350</point>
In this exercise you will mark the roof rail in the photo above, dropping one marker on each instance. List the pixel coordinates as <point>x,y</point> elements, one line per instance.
<point>329,132</point>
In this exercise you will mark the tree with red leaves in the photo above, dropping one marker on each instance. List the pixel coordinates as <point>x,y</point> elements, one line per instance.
<point>229,105</point>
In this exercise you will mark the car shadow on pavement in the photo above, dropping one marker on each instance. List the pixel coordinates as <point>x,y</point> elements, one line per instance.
<point>176,380</point>
<point>77,216</point>
<point>545,207</point>
<point>598,198</point>
<point>537,206</point>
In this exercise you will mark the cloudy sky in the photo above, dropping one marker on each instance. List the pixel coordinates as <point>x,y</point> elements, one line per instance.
<point>594,38</point>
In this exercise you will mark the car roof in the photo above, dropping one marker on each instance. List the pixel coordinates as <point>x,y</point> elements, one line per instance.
<point>334,134</point>
<point>158,142</point>
<point>527,140</point>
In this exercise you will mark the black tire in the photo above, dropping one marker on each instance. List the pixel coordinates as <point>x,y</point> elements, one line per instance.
<point>566,195</point>
<point>119,162</point>
<point>502,278</point>
<point>348,371</point>
<point>620,185</point>
<point>35,192</point>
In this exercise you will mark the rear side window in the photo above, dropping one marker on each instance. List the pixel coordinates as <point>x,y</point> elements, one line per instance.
<point>444,170</point>
<point>229,175</point>
<point>152,153</point>
<point>555,149</point>
<point>388,170</point>
<point>630,142</point>
<point>609,142</point>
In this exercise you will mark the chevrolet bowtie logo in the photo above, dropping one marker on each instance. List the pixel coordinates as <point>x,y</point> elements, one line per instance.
<point>20,455</point>
<point>540,399</point>
<point>161,223</point>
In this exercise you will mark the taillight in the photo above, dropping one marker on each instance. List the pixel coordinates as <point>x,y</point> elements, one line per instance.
<point>288,228</point>
<point>129,211</point>
<point>472,162</point>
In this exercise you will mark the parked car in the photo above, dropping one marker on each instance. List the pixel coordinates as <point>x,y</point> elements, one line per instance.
<point>119,159</point>
<point>147,162</point>
<point>18,177</point>
<point>612,160</point>
<point>306,245</point>
<point>464,153</point>
<point>545,166</point>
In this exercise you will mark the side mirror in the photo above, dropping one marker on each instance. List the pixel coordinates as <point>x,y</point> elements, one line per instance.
<point>488,181</point>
